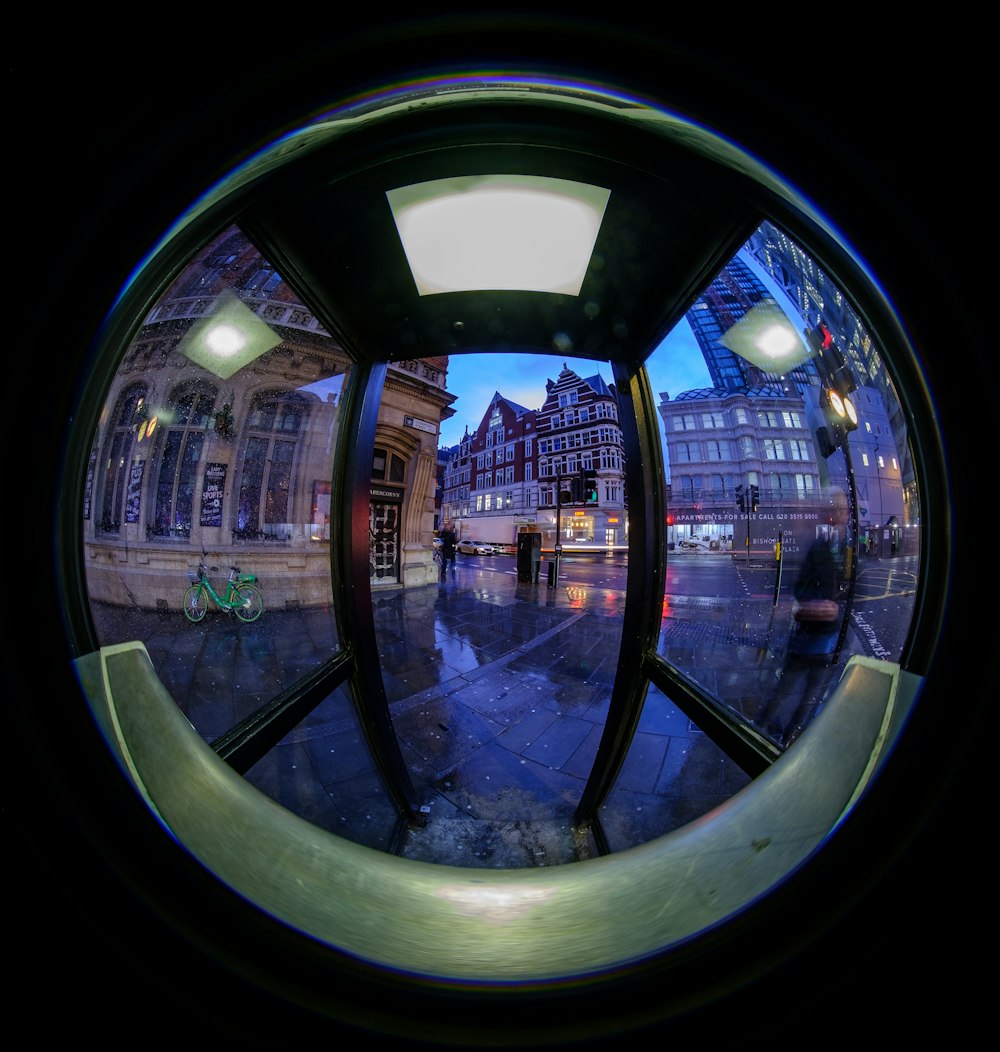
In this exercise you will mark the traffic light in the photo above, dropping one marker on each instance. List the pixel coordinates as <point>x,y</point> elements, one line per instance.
<point>754,497</point>
<point>841,419</point>
<point>740,502</point>
<point>839,412</point>
<point>589,486</point>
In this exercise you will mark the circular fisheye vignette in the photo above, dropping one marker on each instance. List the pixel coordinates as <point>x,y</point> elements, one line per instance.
<point>322,128</point>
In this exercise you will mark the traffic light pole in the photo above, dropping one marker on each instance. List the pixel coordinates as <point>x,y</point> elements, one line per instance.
<point>580,482</point>
<point>557,547</point>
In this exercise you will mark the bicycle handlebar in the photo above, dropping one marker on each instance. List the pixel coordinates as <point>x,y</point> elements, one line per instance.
<point>215,569</point>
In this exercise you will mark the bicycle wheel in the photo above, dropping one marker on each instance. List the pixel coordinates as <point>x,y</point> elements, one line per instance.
<point>195,603</point>
<point>247,602</point>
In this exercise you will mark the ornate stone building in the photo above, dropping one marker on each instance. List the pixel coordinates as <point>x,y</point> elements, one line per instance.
<point>219,436</point>
<point>506,478</point>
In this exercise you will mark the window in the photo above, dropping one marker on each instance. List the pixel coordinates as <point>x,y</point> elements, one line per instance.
<point>717,450</point>
<point>119,469</point>
<point>774,449</point>
<point>273,429</point>
<point>182,443</point>
<point>263,282</point>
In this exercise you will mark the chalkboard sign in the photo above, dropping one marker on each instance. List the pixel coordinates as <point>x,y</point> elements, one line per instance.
<point>134,490</point>
<point>211,494</point>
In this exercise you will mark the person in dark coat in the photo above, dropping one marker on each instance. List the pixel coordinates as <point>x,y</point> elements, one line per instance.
<point>817,612</point>
<point>448,542</point>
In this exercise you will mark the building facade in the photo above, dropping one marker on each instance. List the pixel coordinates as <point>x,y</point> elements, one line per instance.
<point>818,299</point>
<point>724,447</point>
<point>732,294</point>
<point>218,440</point>
<point>508,476</point>
<point>774,460</point>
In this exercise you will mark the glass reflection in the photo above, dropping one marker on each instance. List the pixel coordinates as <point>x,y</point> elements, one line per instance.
<point>216,447</point>
<point>322,770</point>
<point>768,460</point>
<point>673,775</point>
<point>499,680</point>
<point>216,444</point>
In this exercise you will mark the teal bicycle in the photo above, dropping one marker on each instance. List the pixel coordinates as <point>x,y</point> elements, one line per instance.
<point>242,595</point>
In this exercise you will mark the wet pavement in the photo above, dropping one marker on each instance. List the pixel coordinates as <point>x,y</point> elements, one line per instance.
<point>498,691</point>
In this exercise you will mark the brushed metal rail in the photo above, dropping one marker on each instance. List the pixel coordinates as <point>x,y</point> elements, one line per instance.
<point>504,926</point>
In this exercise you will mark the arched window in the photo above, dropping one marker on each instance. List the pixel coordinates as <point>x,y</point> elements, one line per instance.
<point>129,416</point>
<point>273,428</point>
<point>183,440</point>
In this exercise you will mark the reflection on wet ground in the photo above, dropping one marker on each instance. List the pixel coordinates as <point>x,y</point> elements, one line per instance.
<point>498,692</point>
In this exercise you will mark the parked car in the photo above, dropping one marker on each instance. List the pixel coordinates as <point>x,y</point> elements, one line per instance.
<point>475,548</point>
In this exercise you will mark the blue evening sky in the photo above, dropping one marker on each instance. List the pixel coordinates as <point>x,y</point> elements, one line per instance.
<point>677,365</point>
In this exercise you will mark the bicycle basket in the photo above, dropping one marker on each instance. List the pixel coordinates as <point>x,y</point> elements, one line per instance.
<point>246,578</point>
<point>193,577</point>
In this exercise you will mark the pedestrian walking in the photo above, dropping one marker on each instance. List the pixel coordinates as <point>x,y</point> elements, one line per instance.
<point>817,613</point>
<point>448,549</point>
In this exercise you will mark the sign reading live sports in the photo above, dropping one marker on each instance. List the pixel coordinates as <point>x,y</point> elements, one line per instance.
<point>211,494</point>
<point>134,490</point>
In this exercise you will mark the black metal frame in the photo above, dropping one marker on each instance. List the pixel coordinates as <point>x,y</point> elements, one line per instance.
<point>322,222</point>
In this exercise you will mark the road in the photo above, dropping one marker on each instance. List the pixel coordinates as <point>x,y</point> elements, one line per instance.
<point>880,610</point>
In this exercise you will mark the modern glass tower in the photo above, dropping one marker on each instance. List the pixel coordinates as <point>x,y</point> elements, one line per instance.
<point>731,296</point>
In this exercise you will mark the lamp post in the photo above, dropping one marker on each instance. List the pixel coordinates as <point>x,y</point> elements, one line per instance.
<point>557,547</point>
<point>881,513</point>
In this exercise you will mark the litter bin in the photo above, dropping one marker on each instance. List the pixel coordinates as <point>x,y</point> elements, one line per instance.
<point>529,554</point>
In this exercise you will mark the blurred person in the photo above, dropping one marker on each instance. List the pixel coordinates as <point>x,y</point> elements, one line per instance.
<point>448,549</point>
<point>819,593</point>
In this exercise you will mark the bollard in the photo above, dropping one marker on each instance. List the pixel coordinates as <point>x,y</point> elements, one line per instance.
<point>552,575</point>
